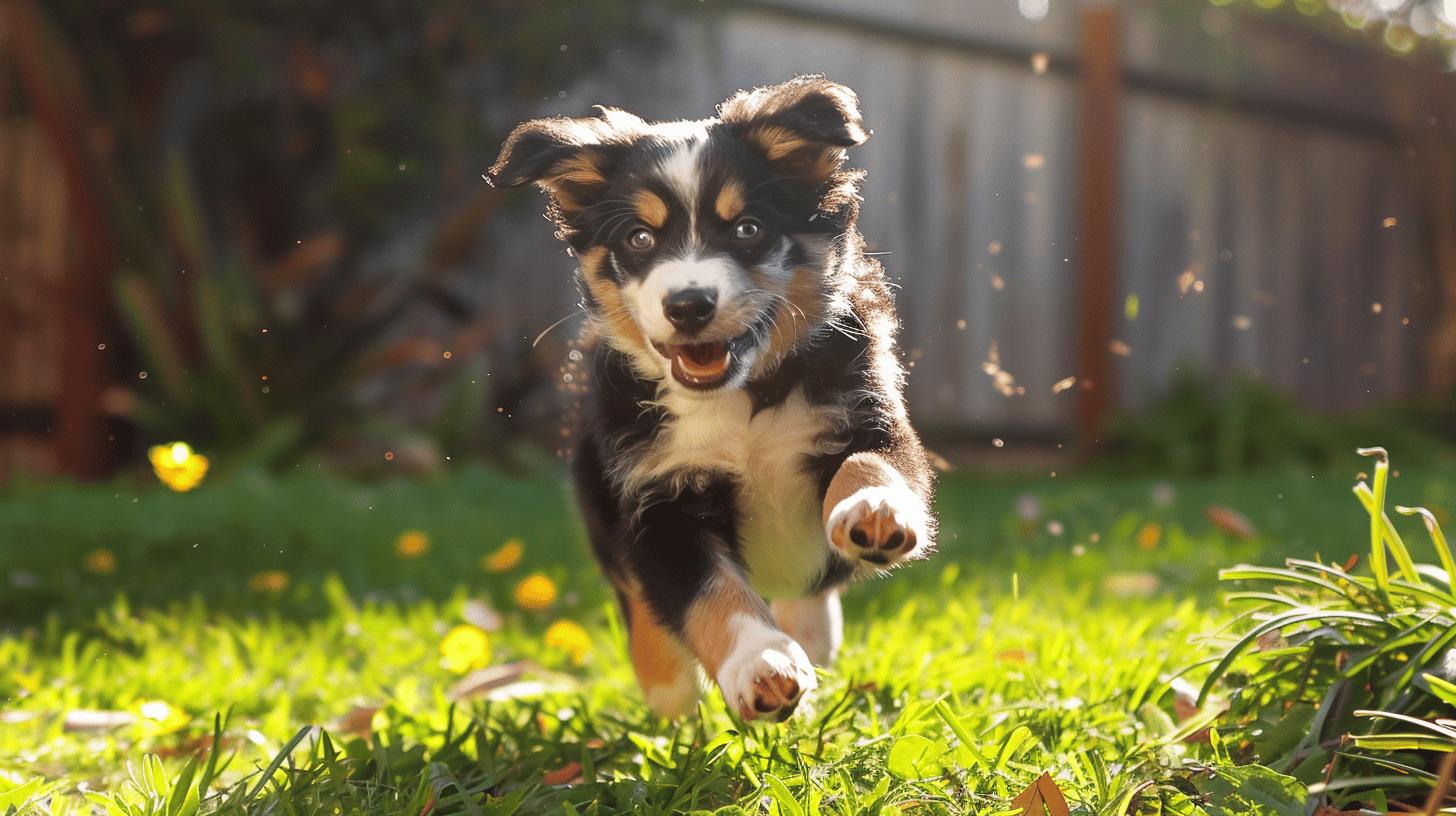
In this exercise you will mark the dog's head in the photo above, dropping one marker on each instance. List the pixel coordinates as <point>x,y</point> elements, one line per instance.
<point>708,249</point>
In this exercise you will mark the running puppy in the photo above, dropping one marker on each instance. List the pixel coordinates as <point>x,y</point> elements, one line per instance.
<point>745,434</point>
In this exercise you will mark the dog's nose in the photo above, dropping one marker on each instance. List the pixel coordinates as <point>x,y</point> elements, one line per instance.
<point>689,310</point>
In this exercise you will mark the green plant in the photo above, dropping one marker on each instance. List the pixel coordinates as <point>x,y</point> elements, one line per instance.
<point>1205,425</point>
<point>1344,680</point>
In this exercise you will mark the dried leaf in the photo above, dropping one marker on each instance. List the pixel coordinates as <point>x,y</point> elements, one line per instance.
<point>568,774</point>
<point>1042,798</point>
<point>1230,521</point>
<point>359,720</point>
<point>487,679</point>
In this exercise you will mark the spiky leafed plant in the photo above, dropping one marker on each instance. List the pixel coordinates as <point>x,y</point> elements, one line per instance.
<point>1347,680</point>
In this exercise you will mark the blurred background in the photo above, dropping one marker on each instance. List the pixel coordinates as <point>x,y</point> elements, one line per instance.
<point>1185,236</point>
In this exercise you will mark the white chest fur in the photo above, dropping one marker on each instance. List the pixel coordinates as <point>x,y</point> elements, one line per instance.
<point>780,518</point>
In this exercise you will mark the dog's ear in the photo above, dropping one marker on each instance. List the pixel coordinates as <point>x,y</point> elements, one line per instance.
<point>804,124</point>
<point>571,158</point>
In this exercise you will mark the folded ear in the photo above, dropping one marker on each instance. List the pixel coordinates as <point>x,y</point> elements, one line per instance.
<point>805,122</point>
<point>569,157</point>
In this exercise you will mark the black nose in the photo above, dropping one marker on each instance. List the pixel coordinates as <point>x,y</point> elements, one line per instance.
<point>690,309</point>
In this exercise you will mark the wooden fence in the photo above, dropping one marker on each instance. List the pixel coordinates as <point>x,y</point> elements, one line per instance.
<point>1265,213</point>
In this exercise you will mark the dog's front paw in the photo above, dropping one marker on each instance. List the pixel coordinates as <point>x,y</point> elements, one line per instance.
<point>881,525</point>
<point>765,678</point>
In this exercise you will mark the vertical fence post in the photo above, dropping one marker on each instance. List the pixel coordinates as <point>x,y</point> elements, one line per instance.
<point>1097,207</point>
<point>59,104</point>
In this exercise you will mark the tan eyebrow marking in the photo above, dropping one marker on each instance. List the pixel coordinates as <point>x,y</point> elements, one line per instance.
<point>651,208</point>
<point>730,201</point>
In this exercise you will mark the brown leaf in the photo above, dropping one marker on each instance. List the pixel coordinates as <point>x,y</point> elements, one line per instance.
<point>1350,564</point>
<point>358,720</point>
<point>568,774</point>
<point>1185,699</point>
<point>484,680</point>
<point>1230,521</point>
<point>1042,798</point>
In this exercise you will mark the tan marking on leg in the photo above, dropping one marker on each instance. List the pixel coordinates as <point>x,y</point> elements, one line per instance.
<point>858,472</point>
<point>650,208</point>
<point>615,315</point>
<point>707,628</point>
<point>729,203</point>
<point>665,670</point>
<point>872,515</point>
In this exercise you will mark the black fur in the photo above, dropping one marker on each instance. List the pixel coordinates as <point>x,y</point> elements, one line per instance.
<point>783,148</point>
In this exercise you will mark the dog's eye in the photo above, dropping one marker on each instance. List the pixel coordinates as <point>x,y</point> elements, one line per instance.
<point>747,229</point>
<point>641,239</point>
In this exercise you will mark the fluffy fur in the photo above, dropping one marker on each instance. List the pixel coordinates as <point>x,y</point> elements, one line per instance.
<point>745,434</point>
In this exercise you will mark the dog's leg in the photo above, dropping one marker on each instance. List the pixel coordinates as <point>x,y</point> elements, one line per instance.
<point>665,670</point>
<point>762,671</point>
<point>874,514</point>
<point>815,622</point>
<point>682,563</point>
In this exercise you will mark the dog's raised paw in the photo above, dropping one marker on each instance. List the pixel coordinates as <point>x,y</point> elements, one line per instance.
<point>878,525</point>
<point>766,680</point>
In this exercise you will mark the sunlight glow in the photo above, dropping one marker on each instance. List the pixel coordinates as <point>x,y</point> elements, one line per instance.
<point>1034,9</point>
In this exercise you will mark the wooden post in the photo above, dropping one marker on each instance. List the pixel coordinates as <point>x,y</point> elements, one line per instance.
<point>1097,207</point>
<point>59,104</point>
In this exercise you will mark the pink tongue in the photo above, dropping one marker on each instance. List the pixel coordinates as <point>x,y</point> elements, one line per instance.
<point>700,363</point>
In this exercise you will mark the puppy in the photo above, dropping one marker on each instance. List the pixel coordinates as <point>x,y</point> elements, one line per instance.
<point>745,434</point>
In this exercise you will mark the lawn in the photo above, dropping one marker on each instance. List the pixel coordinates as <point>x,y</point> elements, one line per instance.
<point>218,630</point>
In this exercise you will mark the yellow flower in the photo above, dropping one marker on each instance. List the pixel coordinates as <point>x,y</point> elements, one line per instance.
<point>101,562</point>
<point>157,717</point>
<point>411,544</point>
<point>178,466</point>
<point>569,637</point>
<point>536,592</point>
<point>269,581</point>
<point>505,558</point>
<point>465,648</point>
<point>1149,535</point>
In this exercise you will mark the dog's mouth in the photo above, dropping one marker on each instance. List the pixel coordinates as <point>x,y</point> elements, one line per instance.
<point>699,365</point>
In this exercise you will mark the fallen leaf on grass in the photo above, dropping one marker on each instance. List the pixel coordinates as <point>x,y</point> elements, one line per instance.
<point>1230,521</point>
<point>1185,698</point>
<point>1042,798</point>
<point>568,774</point>
<point>359,720</point>
<point>480,682</point>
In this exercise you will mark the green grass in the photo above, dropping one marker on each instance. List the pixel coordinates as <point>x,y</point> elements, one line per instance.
<point>1032,642</point>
